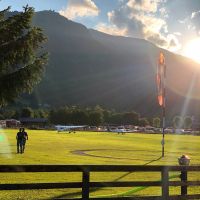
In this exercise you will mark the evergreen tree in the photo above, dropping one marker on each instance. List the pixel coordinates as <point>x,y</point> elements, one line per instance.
<point>21,59</point>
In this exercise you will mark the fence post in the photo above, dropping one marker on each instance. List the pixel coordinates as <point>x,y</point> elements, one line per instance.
<point>184,180</point>
<point>165,183</point>
<point>85,182</point>
<point>184,160</point>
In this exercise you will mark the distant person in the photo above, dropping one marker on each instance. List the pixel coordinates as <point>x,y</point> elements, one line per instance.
<point>25,137</point>
<point>20,141</point>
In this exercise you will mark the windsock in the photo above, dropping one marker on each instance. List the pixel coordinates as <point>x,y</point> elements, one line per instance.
<point>160,79</point>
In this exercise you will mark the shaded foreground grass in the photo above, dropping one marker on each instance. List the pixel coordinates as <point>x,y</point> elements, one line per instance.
<point>50,147</point>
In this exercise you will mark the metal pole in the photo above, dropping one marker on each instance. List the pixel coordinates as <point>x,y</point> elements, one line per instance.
<point>163,113</point>
<point>163,133</point>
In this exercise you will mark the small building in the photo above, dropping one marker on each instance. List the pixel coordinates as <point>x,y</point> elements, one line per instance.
<point>33,122</point>
<point>2,123</point>
<point>12,123</point>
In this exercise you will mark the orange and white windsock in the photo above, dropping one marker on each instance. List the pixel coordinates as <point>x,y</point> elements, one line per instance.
<point>160,79</point>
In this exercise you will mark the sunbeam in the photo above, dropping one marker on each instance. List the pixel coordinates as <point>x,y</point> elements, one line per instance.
<point>184,111</point>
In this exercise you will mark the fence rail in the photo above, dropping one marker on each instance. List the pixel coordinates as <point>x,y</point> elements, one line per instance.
<point>164,183</point>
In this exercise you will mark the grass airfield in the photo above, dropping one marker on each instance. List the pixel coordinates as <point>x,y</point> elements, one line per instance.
<point>99,148</point>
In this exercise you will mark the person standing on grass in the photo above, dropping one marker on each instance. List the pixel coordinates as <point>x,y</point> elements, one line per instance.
<point>25,137</point>
<point>20,141</point>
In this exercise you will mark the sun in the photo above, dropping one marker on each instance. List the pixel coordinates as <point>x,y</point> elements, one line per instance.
<point>192,50</point>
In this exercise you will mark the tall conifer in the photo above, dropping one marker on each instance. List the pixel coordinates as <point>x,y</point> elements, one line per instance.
<point>22,60</point>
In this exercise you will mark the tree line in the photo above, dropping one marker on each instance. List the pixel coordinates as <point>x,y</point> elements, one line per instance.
<point>93,116</point>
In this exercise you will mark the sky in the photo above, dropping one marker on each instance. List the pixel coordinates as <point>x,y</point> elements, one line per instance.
<point>170,24</point>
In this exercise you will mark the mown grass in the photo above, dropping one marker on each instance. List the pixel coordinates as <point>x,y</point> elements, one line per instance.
<point>50,147</point>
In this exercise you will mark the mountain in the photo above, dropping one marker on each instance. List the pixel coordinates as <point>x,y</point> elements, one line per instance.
<point>87,67</point>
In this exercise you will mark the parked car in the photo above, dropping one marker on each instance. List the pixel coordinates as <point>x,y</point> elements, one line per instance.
<point>169,130</point>
<point>149,129</point>
<point>187,131</point>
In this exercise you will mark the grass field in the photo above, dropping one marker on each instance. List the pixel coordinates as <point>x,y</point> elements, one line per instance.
<point>50,147</point>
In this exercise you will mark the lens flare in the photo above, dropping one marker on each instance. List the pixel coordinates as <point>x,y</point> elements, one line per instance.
<point>1,138</point>
<point>5,150</point>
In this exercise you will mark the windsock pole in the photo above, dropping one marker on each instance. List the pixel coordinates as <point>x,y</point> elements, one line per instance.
<point>163,127</point>
<point>161,79</point>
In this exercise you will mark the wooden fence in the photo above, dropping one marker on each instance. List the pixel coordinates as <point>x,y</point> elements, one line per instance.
<point>164,183</point>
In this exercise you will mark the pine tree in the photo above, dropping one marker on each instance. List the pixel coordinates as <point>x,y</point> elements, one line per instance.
<point>22,60</point>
